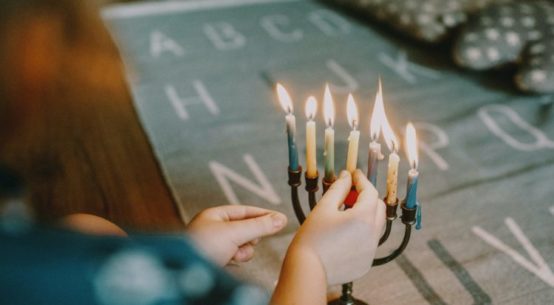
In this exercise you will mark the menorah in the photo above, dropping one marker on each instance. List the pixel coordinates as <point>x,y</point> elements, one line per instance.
<point>408,218</point>
<point>378,123</point>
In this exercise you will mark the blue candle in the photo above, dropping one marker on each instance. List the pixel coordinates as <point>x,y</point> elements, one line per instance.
<point>291,138</point>
<point>411,189</point>
<point>286,103</point>
<point>413,174</point>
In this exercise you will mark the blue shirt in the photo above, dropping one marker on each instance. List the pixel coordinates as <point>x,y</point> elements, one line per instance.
<point>56,267</point>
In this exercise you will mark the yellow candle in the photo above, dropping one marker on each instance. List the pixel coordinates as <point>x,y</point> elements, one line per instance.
<point>311,159</point>
<point>329,148</point>
<point>354,137</point>
<point>394,160</point>
<point>392,178</point>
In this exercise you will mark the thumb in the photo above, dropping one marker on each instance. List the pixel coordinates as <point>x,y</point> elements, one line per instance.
<point>243,231</point>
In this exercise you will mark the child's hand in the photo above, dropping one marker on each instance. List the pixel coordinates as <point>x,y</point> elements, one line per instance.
<point>344,241</point>
<point>231,231</point>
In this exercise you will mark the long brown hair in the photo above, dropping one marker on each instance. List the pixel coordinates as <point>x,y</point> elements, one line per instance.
<point>62,87</point>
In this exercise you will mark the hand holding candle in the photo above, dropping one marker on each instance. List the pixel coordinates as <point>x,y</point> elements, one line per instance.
<point>286,103</point>
<point>411,211</point>
<point>329,149</point>
<point>413,174</point>
<point>354,137</point>
<point>311,159</point>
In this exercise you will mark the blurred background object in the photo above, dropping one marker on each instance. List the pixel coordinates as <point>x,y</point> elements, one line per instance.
<point>485,33</point>
<point>68,124</point>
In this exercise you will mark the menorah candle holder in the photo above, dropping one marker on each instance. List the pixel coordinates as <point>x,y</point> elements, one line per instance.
<point>408,218</point>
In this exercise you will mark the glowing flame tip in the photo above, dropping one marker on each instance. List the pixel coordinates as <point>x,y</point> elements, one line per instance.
<point>377,115</point>
<point>390,137</point>
<point>311,107</point>
<point>328,108</point>
<point>352,112</point>
<point>284,98</point>
<point>411,145</point>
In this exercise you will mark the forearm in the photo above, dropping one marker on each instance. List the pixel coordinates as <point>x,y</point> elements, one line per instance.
<point>302,280</point>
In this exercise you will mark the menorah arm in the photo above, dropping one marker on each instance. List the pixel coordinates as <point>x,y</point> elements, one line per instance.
<point>312,188</point>
<point>294,183</point>
<point>312,200</point>
<point>408,219</point>
<point>391,216</point>
<point>386,234</point>
<point>296,205</point>
<point>383,260</point>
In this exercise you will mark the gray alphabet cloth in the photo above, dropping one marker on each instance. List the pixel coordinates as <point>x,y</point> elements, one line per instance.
<point>203,76</point>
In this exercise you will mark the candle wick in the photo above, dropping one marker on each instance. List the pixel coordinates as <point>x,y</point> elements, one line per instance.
<point>289,109</point>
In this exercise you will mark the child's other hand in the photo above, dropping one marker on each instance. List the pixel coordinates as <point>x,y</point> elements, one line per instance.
<point>231,232</point>
<point>344,241</point>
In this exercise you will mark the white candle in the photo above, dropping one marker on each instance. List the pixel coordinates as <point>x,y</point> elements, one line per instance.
<point>375,153</point>
<point>329,148</point>
<point>311,159</point>
<point>354,137</point>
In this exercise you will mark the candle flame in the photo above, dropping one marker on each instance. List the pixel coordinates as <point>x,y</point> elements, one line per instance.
<point>388,134</point>
<point>311,107</point>
<point>378,114</point>
<point>284,98</point>
<point>352,112</point>
<point>411,145</point>
<point>328,107</point>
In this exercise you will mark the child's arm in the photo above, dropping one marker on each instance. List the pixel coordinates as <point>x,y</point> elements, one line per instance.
<point>332,246</point>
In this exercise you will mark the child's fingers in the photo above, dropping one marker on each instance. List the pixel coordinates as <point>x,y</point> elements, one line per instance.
<point>244,253</point>
<point>335,195</point>
<point>367,194</point>
<point>236,212</point>
<point>247,230</point>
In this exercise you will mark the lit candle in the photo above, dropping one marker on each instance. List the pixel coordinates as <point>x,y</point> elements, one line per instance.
<point>329,149</point>
<point>286,103</point>
<point>375,153</point>
<point>413,174</point>
<point>354,137</point>
<point>394,160</point>
<point>311,160</point>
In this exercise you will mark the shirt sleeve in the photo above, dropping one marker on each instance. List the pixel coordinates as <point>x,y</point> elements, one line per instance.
<point>45,266</point>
